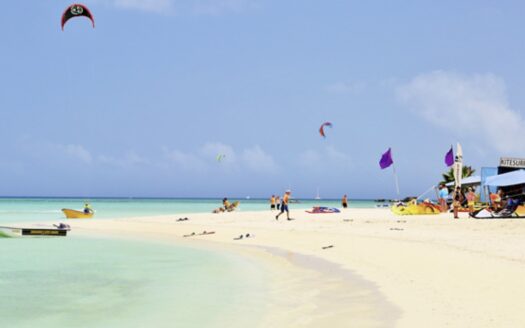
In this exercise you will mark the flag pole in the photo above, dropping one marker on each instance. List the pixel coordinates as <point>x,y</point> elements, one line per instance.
<point>396,179</point>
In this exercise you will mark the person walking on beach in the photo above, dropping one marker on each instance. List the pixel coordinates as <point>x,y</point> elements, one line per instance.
<point>272,203</point>
<point>284,205</point>
<point>442,197</point>
<point>344,201</point>
<point>278,202</point>
<point>457,200</point>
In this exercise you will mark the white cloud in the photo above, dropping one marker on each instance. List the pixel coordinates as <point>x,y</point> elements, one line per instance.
<point>44,150</point>
<point>76,152</point>
<point>473,107</point>
<point>258,160</point>
<point>130,159</point>
<point>187,161</point>
<point>253,159</point>
<point>327,157</point>
<point>346,87</point>
<point>210,151</point>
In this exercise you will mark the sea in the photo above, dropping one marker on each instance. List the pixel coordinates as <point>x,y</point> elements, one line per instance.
<point>35,209</point>
<point>102,282</point>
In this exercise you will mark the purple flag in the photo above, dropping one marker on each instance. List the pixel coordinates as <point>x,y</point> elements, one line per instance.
<point>386,159</point>
<point>449,157</point>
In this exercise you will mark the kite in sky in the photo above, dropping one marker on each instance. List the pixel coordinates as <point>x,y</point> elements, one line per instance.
<point>76,10</point>
<point>321,129</point>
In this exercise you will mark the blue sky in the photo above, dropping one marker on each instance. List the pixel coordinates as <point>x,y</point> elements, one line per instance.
<point>142,104</point>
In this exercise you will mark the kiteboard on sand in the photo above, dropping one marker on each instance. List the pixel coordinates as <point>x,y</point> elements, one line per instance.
<point>323,210</point>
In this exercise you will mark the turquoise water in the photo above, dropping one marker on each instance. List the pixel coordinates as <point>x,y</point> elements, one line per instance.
<point>82,282</point>
<point>49,209</point>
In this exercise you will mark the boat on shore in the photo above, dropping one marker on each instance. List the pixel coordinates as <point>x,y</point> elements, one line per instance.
<point>58,231</point>
<point>74,214</point>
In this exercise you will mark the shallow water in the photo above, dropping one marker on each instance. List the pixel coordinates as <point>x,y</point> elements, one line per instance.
<point>49,209</point>
<point>84,282</point>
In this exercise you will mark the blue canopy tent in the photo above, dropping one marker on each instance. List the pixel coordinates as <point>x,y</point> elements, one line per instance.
<point>468,181</point>
<point>512,183</point>
<point>507,179</point>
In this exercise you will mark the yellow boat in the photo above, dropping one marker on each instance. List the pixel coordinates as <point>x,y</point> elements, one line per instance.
<point>73,214</point>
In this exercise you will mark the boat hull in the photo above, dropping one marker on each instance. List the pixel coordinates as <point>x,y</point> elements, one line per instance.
<point>35,232</point>
<point>73,214</point>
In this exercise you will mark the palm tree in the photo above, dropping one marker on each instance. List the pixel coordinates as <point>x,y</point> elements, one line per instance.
<point>449,175</point>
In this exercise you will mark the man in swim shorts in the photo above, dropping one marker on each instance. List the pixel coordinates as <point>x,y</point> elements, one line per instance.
<point>272,202</point>
<point>284,205</point>
<point>344,201</point>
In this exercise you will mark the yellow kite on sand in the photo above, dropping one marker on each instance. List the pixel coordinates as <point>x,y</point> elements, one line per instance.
<point>413,208</point>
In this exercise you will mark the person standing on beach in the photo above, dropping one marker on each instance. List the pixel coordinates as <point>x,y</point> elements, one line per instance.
<point>344,201</point>
<point>284,205</point>
<point>278,202</point>
<point>443,195</point>
<point>457,200</point>
<point>471,199</point>
<point>272,203</point>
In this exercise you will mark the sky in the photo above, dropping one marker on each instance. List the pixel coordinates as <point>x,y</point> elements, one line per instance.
<point>141,105</point>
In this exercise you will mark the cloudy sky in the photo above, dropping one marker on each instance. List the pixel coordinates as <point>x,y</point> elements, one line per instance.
<point>142,104</point>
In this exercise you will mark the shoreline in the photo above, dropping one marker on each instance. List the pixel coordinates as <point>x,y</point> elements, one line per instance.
<point>460,273</point>
<point>306,291</point>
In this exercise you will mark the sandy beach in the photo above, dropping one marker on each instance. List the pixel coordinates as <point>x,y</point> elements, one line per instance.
<point>362,267</point>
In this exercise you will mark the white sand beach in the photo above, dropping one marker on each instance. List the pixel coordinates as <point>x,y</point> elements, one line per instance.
<point>382,271</point>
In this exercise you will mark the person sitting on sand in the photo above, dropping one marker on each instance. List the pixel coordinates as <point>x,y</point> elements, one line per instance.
<point>87,209</point>
<point>495,199</point>
<point>226,204</point>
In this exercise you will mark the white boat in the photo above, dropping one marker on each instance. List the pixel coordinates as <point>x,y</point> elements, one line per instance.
<point>57,231</point>
<point>317,197</point>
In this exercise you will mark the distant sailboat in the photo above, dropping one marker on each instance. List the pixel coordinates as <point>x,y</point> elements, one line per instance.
<point>317,196</point>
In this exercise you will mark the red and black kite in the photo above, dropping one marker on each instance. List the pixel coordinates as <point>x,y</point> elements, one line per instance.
<point>76,10</point>
<point>321,129</point>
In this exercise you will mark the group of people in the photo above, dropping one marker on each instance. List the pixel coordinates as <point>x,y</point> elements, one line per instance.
<point>281,204</point>
<point>275,202</point>
<point>458,199</point>
<point>498,201</point>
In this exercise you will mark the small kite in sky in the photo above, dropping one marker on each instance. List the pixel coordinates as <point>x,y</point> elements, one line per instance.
<point>321,129</point>
<point>76,10</point>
